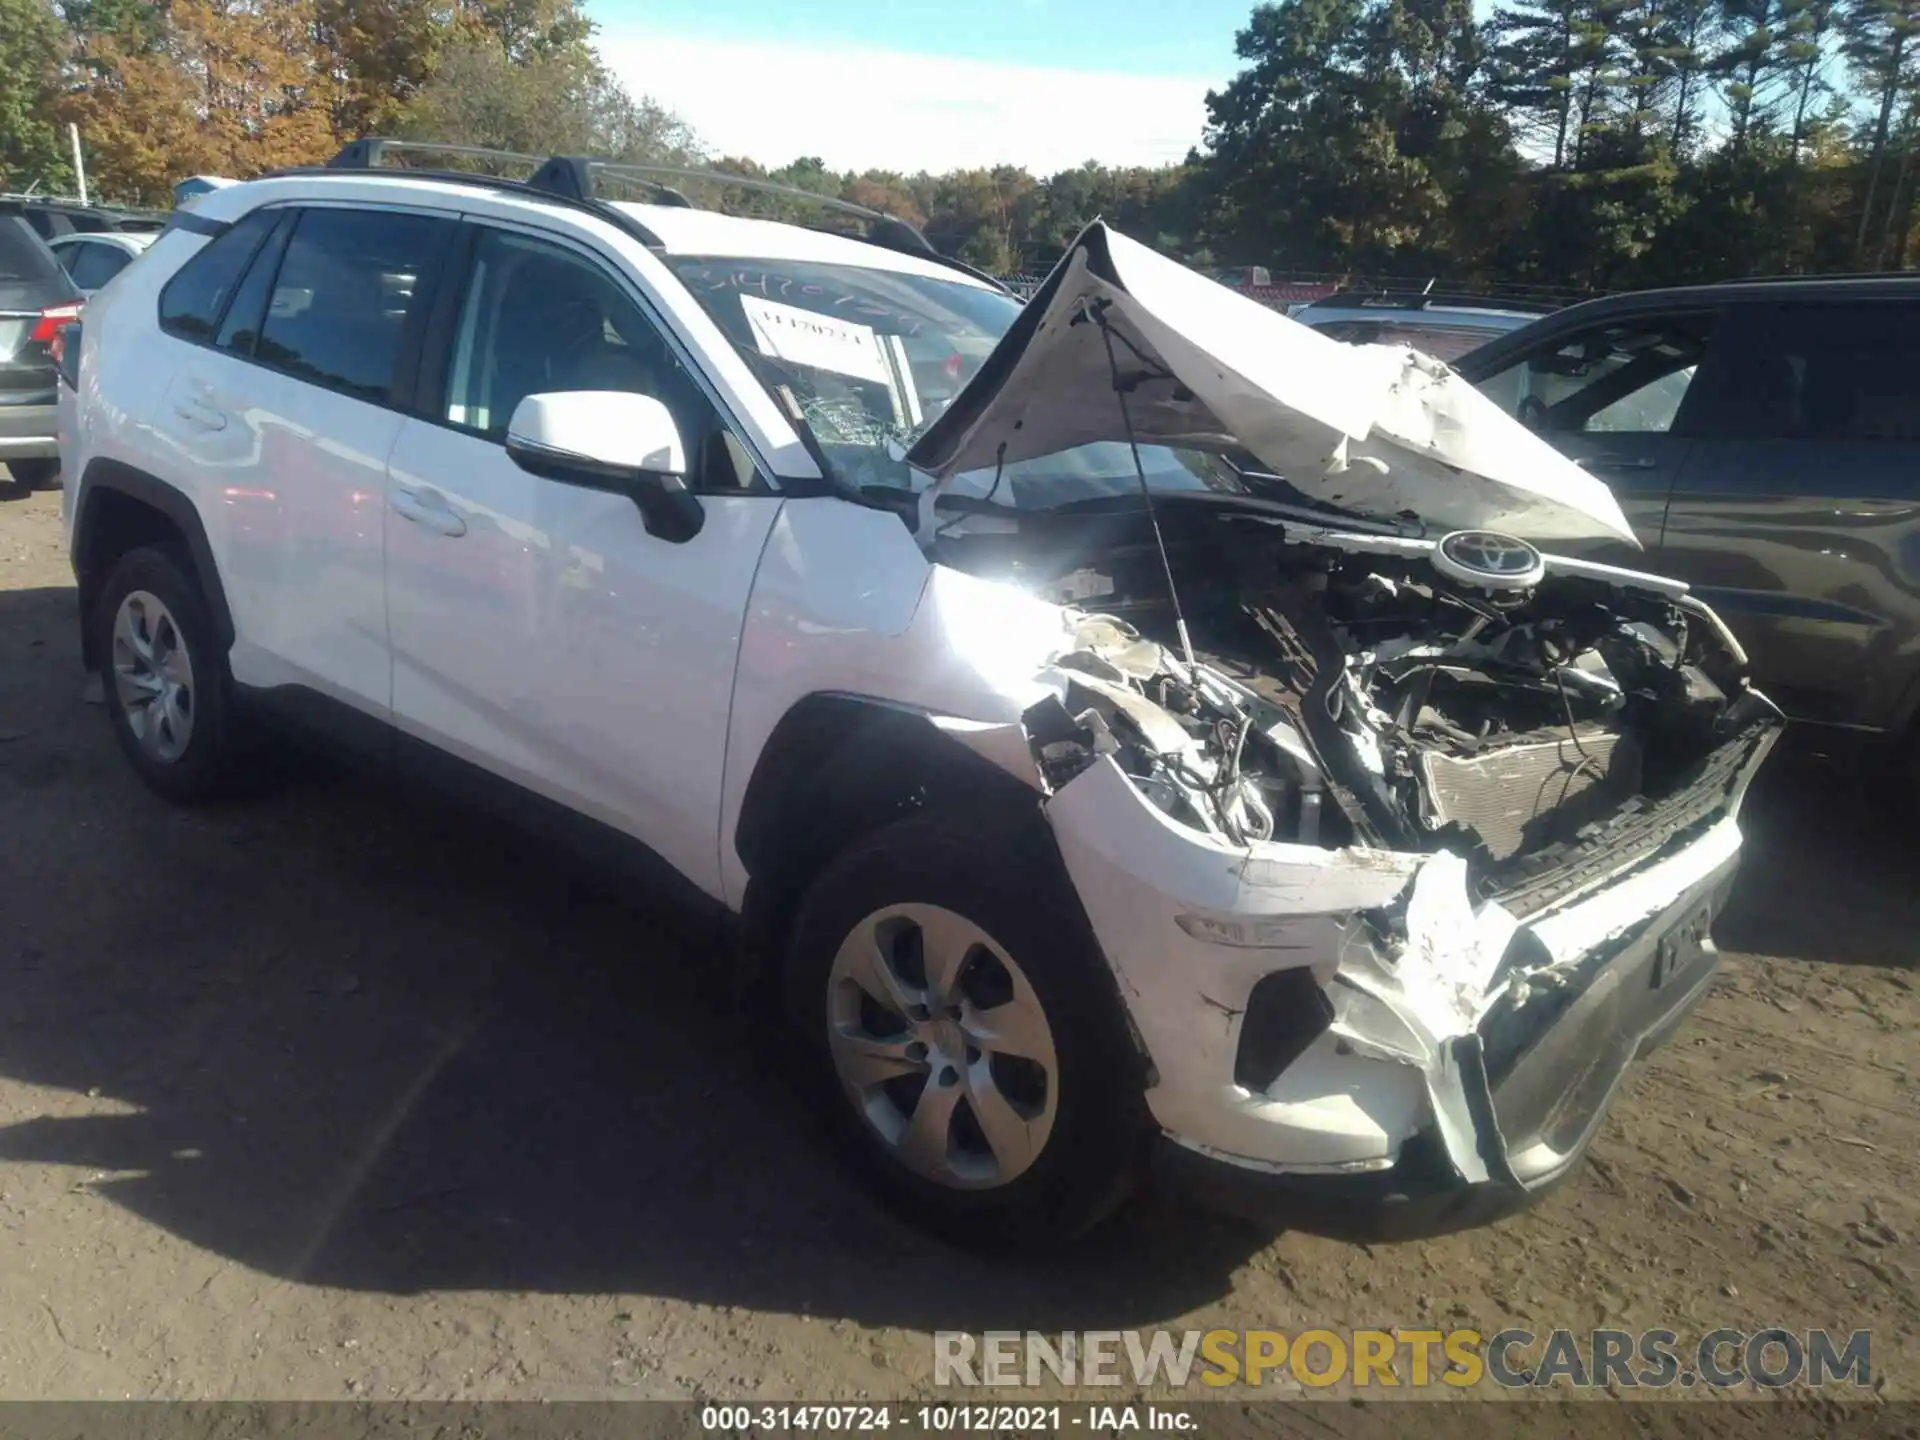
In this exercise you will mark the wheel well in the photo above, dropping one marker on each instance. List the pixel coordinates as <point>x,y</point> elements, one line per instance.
<point>121,509</point>
<point>838,767</point>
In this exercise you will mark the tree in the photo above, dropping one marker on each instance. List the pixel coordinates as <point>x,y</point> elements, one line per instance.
<point>1881,42</point>
<point>382,52</point>
<point>1555,63</point>
<point>1751,63</point>
<point>1338,142</point>
<point>563,101</point>
<point>32,45</point>
<point>229,87</point>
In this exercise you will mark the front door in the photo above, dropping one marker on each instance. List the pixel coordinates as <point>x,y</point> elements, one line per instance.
<point>1797,515</point>
<point>1611,397</point>
<point>539,631</point>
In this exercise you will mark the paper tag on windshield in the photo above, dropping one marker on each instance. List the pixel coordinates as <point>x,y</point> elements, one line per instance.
<point>786,332</point>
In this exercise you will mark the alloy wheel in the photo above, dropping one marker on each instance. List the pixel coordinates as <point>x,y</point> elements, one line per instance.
<point>153,676</point>
<point>942,1045</point>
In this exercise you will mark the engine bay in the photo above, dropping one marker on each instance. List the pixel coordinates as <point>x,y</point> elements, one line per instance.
<point>1373,693</point>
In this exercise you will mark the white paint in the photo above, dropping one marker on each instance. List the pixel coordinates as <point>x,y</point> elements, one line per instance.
<point>845,603</point>
<point>608,427</point>
<point>559,645</point>
<point>1234,371</point>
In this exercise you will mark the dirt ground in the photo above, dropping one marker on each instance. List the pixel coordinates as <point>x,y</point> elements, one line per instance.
<point>334,1094</point>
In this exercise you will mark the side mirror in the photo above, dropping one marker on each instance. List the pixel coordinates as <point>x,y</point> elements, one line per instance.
<point>612,440</point>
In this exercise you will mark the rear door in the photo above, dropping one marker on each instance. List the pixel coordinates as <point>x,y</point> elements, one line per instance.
<point>283,416</point>
<point>1797,515</point>
<point>1613,395</point>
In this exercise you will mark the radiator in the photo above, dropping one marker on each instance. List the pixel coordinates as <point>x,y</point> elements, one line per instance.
<point>1523,795</point>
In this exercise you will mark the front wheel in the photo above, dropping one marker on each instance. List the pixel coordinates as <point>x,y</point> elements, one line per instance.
<point>963,1032</point>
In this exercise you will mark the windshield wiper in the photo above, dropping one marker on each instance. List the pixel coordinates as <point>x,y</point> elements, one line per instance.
<point>1307,511</point>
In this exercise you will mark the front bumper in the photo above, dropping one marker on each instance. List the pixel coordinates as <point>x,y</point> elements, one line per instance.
<point>1548,1086</point>
<point>27,432</point>
<point>1460,1055</point>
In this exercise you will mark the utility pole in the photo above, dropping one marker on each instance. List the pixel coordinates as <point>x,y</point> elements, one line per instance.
<point>79,165</point>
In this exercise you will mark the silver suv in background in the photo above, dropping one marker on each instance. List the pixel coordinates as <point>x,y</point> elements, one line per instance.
<point>1443,326</point>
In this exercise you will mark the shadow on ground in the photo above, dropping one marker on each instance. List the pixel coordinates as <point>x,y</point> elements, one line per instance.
<point>1827,874</point>
<point>360,1040</point>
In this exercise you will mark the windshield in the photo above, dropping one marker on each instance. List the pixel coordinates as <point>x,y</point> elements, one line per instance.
<point>871,357</point>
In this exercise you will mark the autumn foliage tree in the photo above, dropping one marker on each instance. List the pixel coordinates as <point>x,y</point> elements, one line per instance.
<point>1573,144</point>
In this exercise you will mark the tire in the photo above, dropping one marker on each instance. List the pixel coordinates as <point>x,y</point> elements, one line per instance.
<point>937,884</point>
<point>184,743</point>
<point>32,474</point>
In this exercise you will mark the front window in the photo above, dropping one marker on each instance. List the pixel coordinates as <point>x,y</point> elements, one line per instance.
<point>869,358</point>
<point>1621,379</point>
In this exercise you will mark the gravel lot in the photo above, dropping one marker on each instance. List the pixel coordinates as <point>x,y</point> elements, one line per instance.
<point>336,1093</point>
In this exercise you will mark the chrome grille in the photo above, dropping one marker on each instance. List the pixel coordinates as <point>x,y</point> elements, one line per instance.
<point>1523,795</point>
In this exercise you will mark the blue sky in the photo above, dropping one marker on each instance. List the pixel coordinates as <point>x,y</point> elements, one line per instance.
<point>910,85</point>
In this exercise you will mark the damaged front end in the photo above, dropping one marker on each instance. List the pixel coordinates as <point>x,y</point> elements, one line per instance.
<point>1401,837</point>
<point>1401,875</point>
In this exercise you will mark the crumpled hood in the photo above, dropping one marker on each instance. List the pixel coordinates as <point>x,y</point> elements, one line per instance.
<point>1380,429</point>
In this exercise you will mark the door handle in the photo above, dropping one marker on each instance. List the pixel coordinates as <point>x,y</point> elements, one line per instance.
<point>437,518</point>
<point>196,412</point>
<point>1622,462</point>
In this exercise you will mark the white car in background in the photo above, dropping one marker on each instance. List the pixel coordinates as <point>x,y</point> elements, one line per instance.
<point>93,258</point>
<point>1165,748</point>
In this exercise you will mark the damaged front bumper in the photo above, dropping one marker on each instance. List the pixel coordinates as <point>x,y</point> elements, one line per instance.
<point>1346,1042</point>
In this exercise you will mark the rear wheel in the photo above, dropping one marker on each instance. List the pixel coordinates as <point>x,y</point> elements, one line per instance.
<point>963,1034</point>
<point>166,681</point>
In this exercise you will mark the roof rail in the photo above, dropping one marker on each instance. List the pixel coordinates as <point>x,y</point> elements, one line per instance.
<point>575,180</point>
<point>1386,299</point>
<point>579,174</point>
<point>369,152</point>
<point>1831,275</point>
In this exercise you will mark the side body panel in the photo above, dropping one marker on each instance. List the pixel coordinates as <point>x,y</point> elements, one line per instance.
<point>845,603</point>
<point>545,636</point>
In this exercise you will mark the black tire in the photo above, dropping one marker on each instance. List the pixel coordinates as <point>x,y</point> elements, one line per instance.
<point>32,474</point>
<point>210,763</point>
<point>1004,875</point>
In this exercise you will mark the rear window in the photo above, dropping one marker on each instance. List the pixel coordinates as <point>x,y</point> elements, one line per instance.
<point>190,306</point>
<point>23,255</point>
<point>1838,371</point>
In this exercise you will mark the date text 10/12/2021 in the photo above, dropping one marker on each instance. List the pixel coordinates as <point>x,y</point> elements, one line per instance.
<point>948,1419</point>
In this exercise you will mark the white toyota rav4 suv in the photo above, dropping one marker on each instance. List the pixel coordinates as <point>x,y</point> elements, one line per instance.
<point>1126,731</point>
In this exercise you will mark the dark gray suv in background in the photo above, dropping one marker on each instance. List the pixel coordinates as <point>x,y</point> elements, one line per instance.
<point>1764,439</point>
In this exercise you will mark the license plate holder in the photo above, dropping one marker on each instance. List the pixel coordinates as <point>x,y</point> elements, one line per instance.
<point>1686,944</point>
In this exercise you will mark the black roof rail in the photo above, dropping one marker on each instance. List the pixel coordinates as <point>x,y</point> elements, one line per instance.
<point>575,180</point>
<point>576,175</point>
<point>368,153</point>
<point>1830,276</point>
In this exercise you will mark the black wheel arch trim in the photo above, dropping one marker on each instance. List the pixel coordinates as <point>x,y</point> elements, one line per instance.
<point>104,475</point>
<point>838,766</point>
